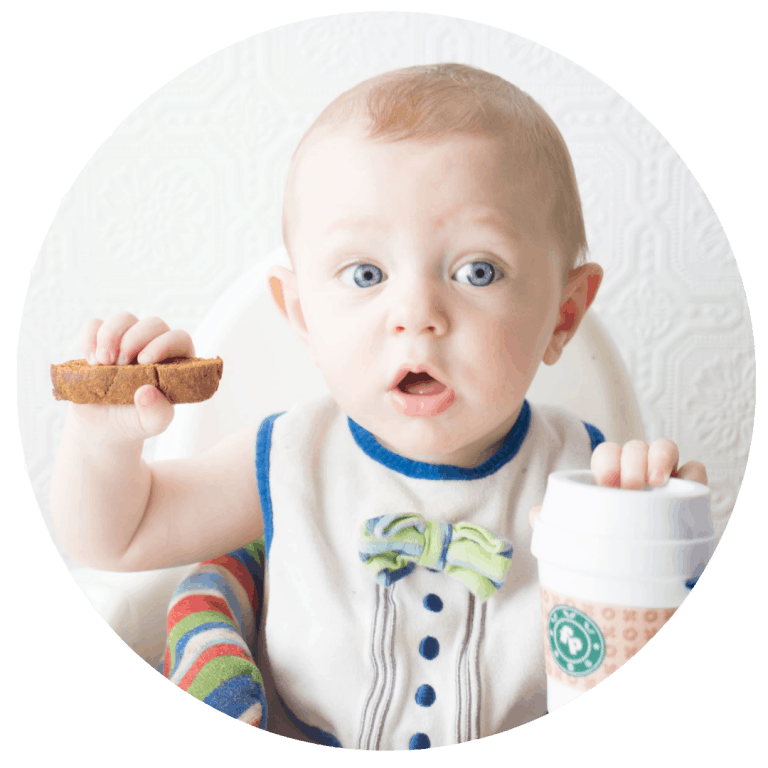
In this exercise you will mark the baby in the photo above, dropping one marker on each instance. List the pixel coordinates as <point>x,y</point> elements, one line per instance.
<point>437,251</point>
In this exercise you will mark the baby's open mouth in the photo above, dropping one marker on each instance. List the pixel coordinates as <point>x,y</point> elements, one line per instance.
<point>420,384</point>
<point>419,393</point>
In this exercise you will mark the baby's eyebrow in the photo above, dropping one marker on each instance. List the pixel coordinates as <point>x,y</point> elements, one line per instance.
<point>478,215</point>
<point>484,218</point>
<point>357,222</point>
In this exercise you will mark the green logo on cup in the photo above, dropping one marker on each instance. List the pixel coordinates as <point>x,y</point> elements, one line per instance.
<point>576,641</point>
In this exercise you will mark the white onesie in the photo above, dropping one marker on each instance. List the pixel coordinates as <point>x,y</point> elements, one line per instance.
<point>422,663</point>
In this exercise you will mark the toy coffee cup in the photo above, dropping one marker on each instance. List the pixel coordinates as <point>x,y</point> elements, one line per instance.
<point>614,565</point>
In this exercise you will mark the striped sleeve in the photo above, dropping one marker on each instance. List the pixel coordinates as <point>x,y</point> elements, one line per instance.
<point>212,621</point>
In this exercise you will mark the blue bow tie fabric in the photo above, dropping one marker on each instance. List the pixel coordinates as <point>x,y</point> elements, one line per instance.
<point>392,546</point>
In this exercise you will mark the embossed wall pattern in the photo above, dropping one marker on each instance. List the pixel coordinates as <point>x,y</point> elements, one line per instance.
<point>187,193</point>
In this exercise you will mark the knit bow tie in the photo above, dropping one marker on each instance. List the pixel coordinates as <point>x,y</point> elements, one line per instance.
<point>393,545</point>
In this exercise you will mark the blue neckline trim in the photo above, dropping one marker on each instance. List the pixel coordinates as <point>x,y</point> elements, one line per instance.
<point>423,471</point>
<point>595,435</point>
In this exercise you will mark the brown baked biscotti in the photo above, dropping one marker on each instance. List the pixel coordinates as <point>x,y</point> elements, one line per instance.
<point>180,379</point>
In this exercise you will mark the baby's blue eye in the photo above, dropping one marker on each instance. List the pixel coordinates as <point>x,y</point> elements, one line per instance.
<point>361,275</point>
<point>477,273</point>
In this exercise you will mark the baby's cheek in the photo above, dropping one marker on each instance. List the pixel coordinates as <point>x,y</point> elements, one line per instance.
<point>517,349</point>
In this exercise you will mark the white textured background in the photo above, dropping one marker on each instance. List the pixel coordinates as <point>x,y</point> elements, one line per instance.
<point>71,72</point>
<point>187,193</point>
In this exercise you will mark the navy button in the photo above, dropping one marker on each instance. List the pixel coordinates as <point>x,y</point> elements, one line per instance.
<point>419,741</point>
<point>425,696</point>
<point>433,603</point>
<point>429,647</point>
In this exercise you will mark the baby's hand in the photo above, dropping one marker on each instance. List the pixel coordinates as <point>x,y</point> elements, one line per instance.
<point>120,340</point>
<point>638,464</point>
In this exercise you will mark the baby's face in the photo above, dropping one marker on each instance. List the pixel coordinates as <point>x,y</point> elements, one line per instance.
<point>429,284</point>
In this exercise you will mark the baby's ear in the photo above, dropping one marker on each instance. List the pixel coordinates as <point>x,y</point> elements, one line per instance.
<point>285,291</point>
<point>580,292</point>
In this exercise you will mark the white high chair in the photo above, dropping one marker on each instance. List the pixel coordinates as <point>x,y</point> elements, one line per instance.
<point>265,371</point>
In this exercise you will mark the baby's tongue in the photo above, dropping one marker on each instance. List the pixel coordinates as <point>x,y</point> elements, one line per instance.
<point>422,384</point>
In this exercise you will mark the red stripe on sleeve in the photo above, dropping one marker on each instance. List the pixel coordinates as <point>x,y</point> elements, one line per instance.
<point>196,603</point>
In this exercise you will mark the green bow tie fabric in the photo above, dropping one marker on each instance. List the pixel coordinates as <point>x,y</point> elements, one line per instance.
<point>392,546</point>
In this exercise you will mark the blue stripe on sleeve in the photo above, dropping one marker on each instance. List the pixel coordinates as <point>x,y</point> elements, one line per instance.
<point>252,566</point>
<point>236,695</point>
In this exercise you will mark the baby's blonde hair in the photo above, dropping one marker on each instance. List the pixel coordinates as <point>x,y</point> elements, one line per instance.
<point>433,101</point>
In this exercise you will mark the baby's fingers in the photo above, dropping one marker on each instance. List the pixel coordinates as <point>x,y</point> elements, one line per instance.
<point>108,337</point>
<point>138,336</point>
<point>634,465</point>
<point>170,344</point>
<point>606,464</point>
<point>663,456</point>
<point>87,338</point>
<point>618,467</point>
<point>692,470</point>
<point>153,411</point>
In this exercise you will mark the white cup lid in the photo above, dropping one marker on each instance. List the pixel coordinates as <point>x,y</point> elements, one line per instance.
<point>678,510</point>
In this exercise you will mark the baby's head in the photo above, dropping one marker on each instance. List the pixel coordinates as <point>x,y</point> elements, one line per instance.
<point>432,102</point>
<point>434,226</point>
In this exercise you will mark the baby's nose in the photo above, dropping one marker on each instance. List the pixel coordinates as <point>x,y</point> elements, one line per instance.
<point>401,328</point>
<point>419,315</point>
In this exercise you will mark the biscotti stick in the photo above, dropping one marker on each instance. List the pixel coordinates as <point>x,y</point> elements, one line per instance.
<point>180,379</point>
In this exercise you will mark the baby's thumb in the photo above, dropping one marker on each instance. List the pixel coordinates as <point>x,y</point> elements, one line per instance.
<point>154,410</point>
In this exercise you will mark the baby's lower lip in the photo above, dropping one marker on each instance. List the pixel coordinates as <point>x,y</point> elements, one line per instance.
<point>413,404</point>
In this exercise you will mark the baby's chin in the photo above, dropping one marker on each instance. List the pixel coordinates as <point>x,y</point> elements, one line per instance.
<point>460,436</point>
<point>421,442</point>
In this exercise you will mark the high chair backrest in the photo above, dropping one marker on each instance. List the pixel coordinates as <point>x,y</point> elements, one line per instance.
<point>266,370</point>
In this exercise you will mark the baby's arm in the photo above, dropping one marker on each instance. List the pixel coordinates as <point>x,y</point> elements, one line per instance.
<point>111,510</point>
